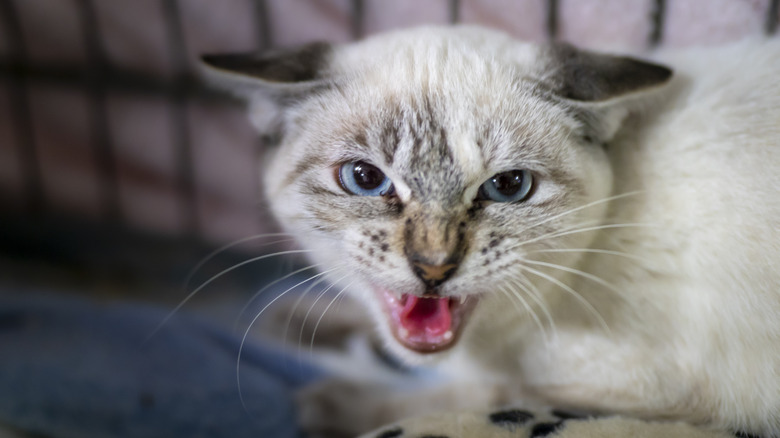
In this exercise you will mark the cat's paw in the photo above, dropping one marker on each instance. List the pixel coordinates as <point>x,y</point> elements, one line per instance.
<point>517,423</point>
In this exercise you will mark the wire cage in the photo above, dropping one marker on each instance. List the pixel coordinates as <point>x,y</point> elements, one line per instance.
<point>120,170</point>
<point>112,149</point>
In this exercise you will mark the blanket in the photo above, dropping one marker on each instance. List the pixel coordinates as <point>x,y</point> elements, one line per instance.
<point>77,368</point>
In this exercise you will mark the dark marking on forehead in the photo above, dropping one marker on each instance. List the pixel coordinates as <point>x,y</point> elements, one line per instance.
<point>389,137</point>
<point>411,131</point>
<point>360,138</point>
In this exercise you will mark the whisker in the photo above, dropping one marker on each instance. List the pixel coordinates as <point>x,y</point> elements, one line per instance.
<point>577,226</point>
<point>300,299</point>
<point>211,280</point>
<point>316,326</point>
<point>583,274</point>
<point>571,291</point>
<point>513,294</point>
<point>311,308</point>
<point>297,303</point>
<point>264,288</point>
<point>591,250</point>
<point>227,246</point>
<point>252,323</point>
<point>588,205</point>
<point>528,287</point>
<point>582,230</point>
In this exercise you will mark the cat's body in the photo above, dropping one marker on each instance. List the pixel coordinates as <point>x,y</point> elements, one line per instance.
<point>639,273</point>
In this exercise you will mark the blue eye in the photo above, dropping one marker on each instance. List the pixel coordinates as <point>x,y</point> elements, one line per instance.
<point>363,179</point>
<point>512,186</point>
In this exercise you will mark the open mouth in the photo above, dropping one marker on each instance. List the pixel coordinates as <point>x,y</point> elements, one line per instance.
<point>427,324</point>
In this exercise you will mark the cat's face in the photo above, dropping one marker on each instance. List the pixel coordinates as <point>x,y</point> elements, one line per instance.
<point>435,173</point>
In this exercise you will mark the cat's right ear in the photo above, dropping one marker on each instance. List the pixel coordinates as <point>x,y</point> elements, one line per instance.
<point>270,81</point>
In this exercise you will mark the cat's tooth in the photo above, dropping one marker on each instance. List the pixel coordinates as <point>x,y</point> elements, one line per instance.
<point>447,335</point>
<point>463,299</point>
<point>403,333</point>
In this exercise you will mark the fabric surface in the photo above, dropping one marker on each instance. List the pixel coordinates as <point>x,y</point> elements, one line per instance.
<point>73,368</point>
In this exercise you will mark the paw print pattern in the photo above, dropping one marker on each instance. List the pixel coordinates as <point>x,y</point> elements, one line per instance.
<point>511,418</point>
<point>391,433</point>
<point>519,423</point>
<point>509,423</point>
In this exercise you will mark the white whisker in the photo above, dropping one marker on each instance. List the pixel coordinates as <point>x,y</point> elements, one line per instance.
<point>264,288</point>
<point>588,205</point>
<point>227,246</point>
<point>591,250</point>
<point>311,308</point>
<point>582,230</point>
<point>297,303</point>
<point>583,274</point>
<point>514,294</point>
<point>528,287</point>
<point>254,320</point>
<point>573,293</point>
<point>316,326</point>
<point>577,226</point>
<point>211,280</point>
<point>303,295</point>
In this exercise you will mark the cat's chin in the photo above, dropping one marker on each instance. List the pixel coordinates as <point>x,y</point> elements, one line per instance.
<point>426,324</point>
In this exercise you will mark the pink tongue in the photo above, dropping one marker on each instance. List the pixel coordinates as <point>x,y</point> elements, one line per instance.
<point>426,316</point>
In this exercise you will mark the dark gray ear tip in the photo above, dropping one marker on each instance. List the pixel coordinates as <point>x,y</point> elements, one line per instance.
<point>655,73</point>
<point>210,60</point>
<point>229,61</point>
<point>301,64</point>
<point>588,76</point>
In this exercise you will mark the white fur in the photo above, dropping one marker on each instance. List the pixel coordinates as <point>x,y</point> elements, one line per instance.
<point>694,334</point>
<point>692,312</point>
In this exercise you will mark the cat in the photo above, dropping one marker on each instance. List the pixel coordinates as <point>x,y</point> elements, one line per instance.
<point>574,229</point>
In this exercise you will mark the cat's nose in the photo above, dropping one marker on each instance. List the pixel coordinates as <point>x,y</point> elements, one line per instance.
<point>432,274</point>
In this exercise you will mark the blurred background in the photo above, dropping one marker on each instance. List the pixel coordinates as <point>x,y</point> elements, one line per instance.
<point>119,170</point>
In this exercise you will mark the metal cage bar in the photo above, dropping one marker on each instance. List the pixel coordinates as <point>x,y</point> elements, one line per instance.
<point>772,16</point>
<point>181,125</point>
<point>262,25</point>
<point>357,8</point>
<point>454,11</point>
<point>657,19</point>
<point>551,20</point>
<point>14,71</point>
<point>103,148</point>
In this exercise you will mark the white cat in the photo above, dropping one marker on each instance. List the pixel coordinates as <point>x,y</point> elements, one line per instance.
<point>572,229</point>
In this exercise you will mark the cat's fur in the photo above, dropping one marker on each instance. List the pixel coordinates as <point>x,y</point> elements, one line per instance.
<point>665,190</point>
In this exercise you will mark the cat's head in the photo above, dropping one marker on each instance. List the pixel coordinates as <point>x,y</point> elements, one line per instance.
<point>431,171</point>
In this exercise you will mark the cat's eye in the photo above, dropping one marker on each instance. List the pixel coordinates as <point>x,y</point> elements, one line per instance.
<point>363,179</point>
<point>511,186</point>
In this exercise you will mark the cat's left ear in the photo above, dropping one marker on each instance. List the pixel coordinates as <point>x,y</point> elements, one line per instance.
<point>601,83</point>
<point>270,81</point>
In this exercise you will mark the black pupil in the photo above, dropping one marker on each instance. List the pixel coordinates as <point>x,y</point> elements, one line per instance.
<point>367,176</point>
<point>508,183</point>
